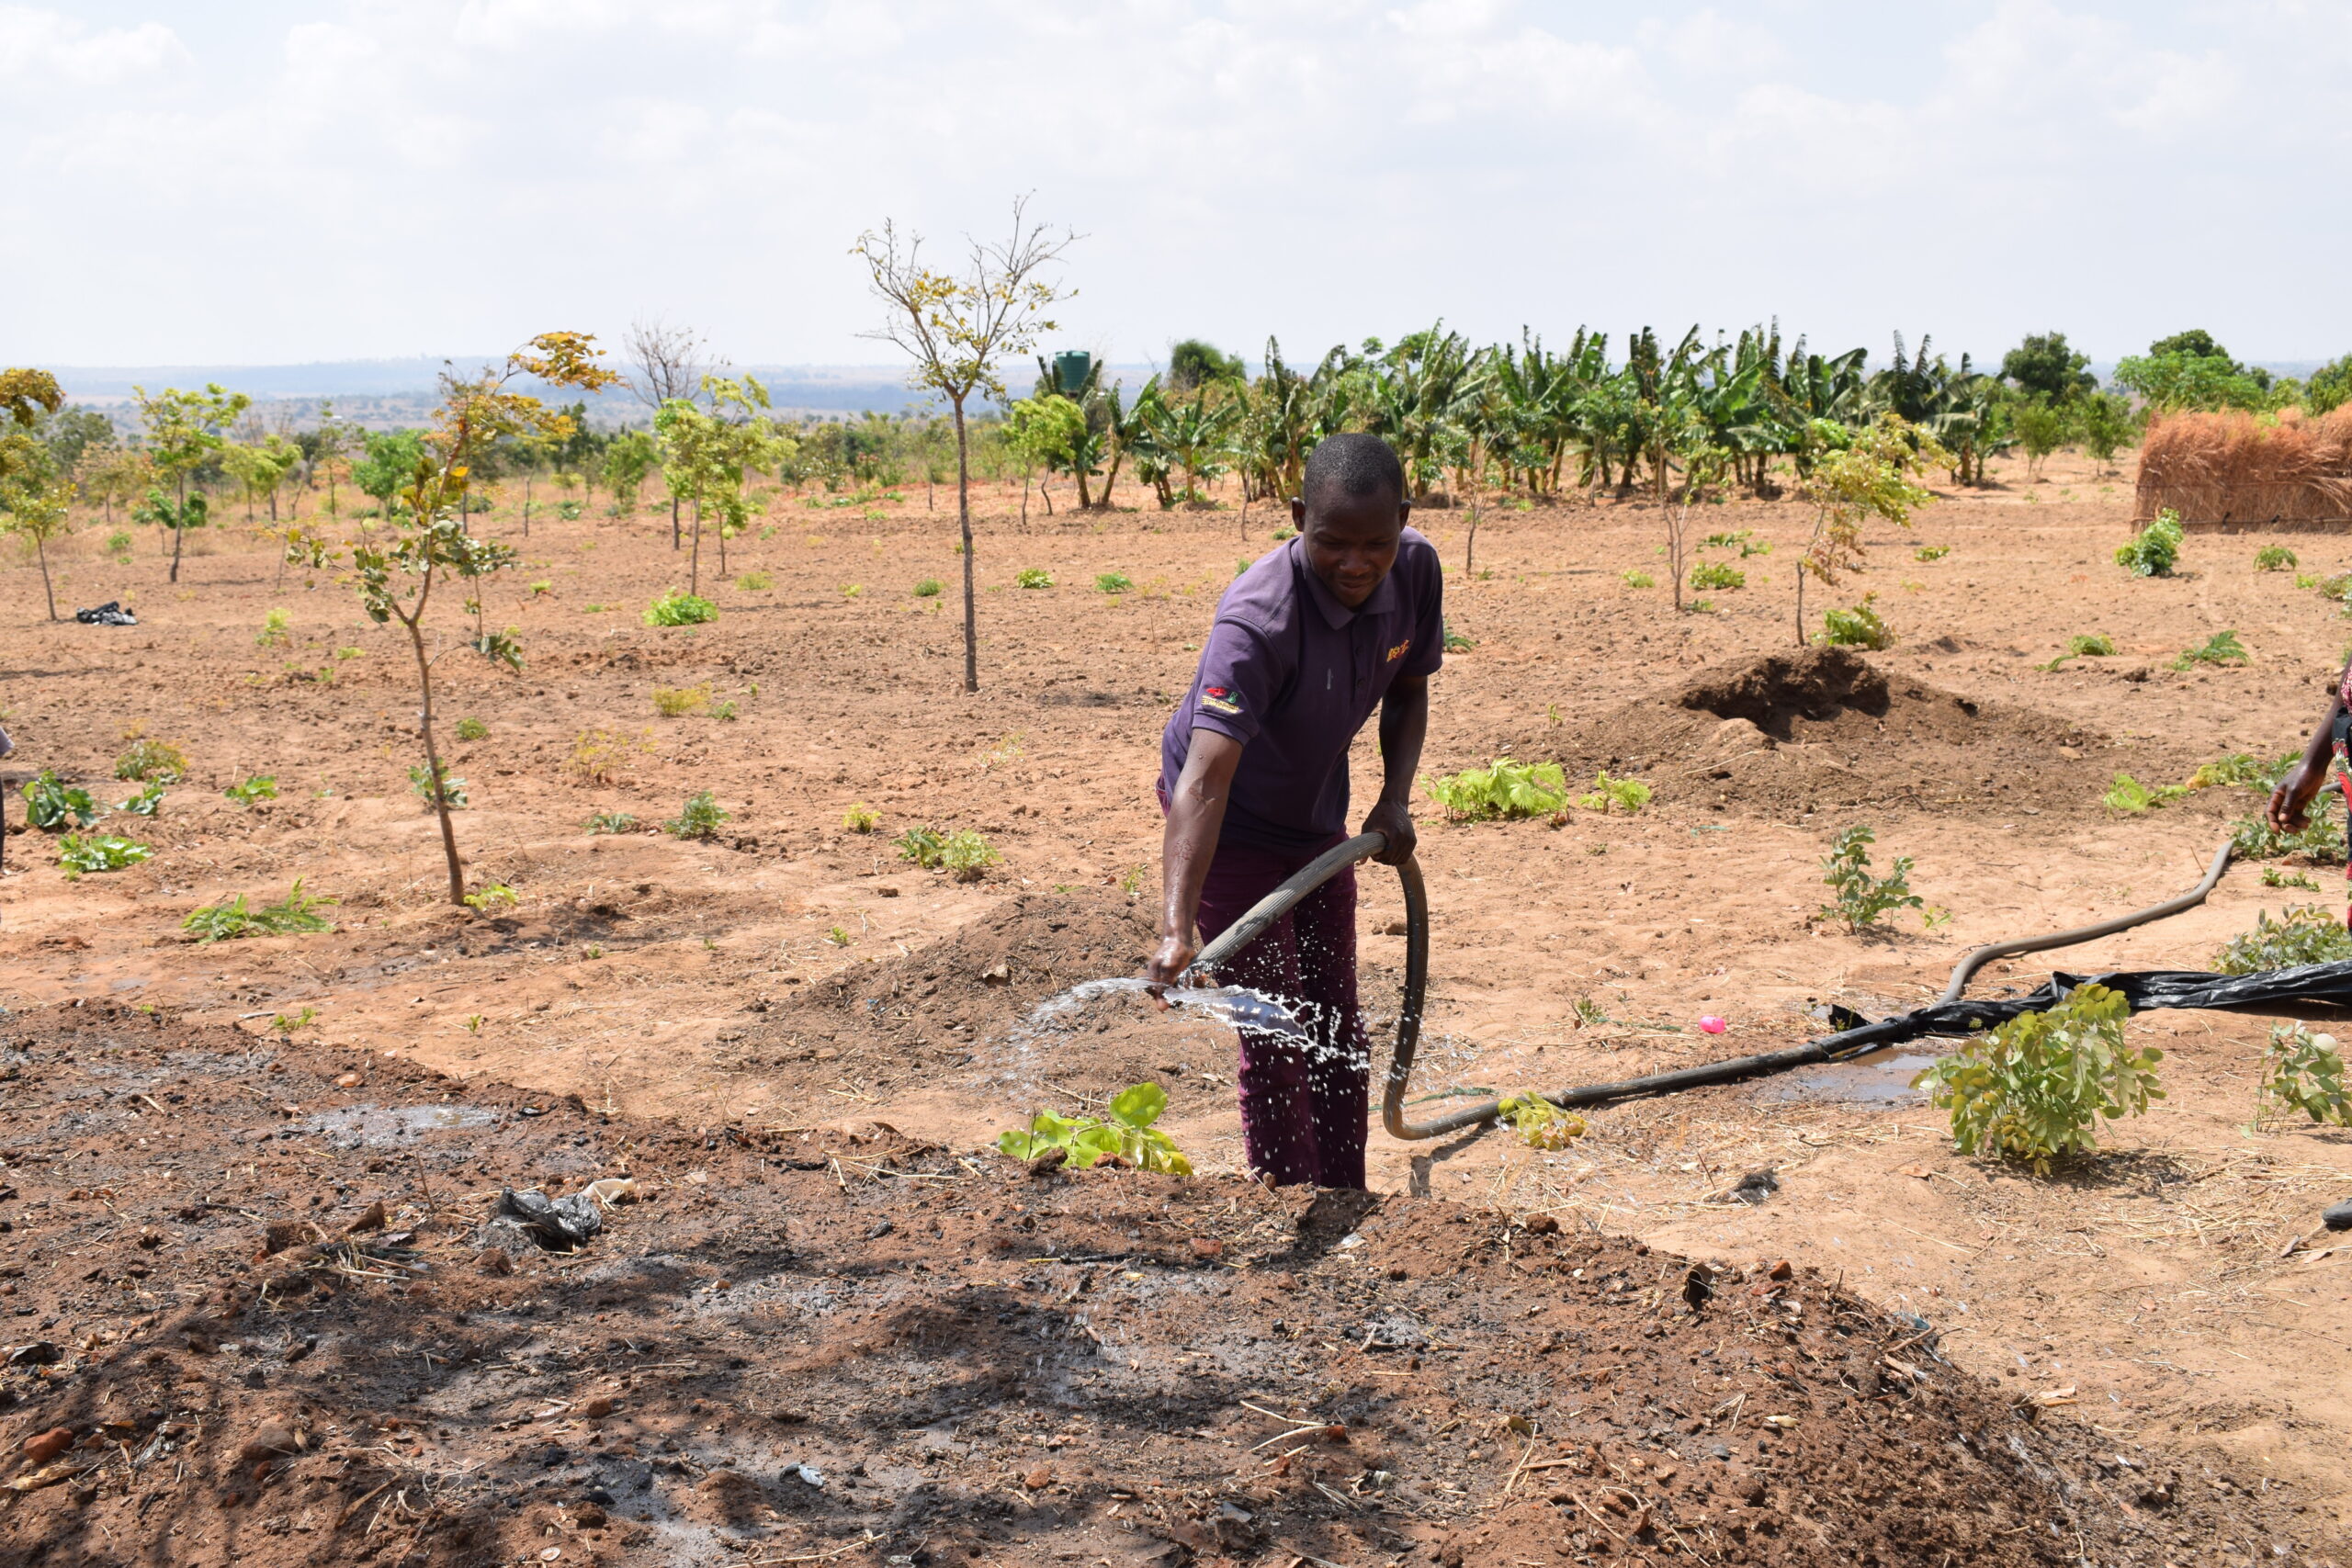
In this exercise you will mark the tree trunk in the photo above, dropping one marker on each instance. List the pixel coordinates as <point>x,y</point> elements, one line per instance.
<point>1024,503</point>
<point>41,547</point>
<point>673,522</point>
<point>434,781</point>
<point>1245,506</point>
<point>694,564</point>
<point>963,521</point>
<point>179,525</point>
<point>526,503</point>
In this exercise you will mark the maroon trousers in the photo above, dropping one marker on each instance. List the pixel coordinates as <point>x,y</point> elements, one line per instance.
<point>1304,1102</point>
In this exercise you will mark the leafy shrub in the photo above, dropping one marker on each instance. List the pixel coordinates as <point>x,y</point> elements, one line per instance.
<point>78,852</point>
<point>1632,794</point>
<point>930,588</point>
<point>2242,768</point>
<point>290,915</point>
<point>724,712</point>
<point>1284,534</point>
<point>452,791</point>
<point>1711,574</point>
<point>861,817</point>
<point>2221,648</point>
<point>568,509</point>
<point>676,702</point>
<point>2302,1071</point>
<point>2130,796</point>
<point>1861,897</point>
<point>2305,933</point>
<point>2090,645</point>
<point>497,896</point>
<point>2322,839</point>
<point>753,582</point>
<point>275,630</point>
<point>542,587</point>
<point>1453,641</point>
<point>260,786</point>
<point>2273,877</point>
<point>1931,552</point>
<point>1129,1135</point>
<point>2032,1090</point>
<point>612,822</point>
<point>599,755</point>
<point>968,856</point>
<point>852,590</point>
<point>927,847</point>
<point>472,730</point>
<point>1502,788</point>
<point>2274,558</point>
<point>698,818</point>
<point>1038,577</point>
<point>1633,579</point>
<point>2155,550</point>
<point>1857,628</point>
<point>50,802</point>
<point>676,609</point>
<point>118,544</point>
<point>151,762</point>
<point>1114,583</point>
<point>145,802</point>
<point>1540,1124</point>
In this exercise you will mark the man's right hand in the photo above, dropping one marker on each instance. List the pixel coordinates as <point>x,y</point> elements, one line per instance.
<point>1175,956</point>
<point>2290,803</point>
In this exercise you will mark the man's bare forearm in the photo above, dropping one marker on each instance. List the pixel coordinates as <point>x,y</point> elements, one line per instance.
<point>1404,727</point>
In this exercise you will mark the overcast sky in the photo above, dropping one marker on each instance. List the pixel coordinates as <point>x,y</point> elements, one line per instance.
<point>250,181</point>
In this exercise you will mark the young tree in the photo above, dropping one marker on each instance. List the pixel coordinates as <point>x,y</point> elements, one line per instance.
<point>706,455</point>
<point>396,575</point>
<point>1865,473</point>
<point>2043,425</point>
<point>111,474</point>
<point>2106,425</point>
<point>958,329</point>
<point>183,430</point>
<point>34,497</point>
<point>670,363</point>
<point>628,457</point>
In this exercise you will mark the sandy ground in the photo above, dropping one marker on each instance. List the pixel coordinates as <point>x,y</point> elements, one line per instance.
<point>720,982</point>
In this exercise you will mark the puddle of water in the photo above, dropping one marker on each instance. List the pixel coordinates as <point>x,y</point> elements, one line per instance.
<point>1882,1079</point>
<point>385,1126</point>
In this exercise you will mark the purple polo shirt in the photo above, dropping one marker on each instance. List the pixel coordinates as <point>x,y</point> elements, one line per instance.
<point>1293,673</point>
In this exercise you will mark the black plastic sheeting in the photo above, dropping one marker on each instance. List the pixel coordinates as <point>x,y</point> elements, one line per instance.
<point>2315,993</point>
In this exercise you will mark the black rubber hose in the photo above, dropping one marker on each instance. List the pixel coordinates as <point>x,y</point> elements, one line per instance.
<point>1836,1048</point>
<point>1968,966</point>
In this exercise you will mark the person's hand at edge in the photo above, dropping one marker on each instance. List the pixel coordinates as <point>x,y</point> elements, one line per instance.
<point>2290,803</point>
<point>1395,819</point>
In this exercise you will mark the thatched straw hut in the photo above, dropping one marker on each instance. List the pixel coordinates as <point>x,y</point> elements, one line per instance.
<point>2225,472</point>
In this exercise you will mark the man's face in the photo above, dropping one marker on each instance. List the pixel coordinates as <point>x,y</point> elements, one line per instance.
<point>1350,539</point>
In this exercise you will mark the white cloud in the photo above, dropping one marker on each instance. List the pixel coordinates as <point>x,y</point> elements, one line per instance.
<point>401,175</point>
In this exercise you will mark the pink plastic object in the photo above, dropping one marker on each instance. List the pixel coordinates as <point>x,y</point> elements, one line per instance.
<point>1712,1025</point>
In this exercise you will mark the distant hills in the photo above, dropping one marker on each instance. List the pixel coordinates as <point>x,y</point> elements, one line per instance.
<point>393,392</point>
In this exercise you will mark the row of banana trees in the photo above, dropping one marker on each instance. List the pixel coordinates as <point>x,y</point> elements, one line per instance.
<point>1516,417</point>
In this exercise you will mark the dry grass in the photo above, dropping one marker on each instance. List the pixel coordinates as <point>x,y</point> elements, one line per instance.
<point>2243,467</point>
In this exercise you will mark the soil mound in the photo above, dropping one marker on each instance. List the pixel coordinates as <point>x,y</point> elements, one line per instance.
<point>935,1006</point>
<point>1819,683</point>
<point>1824,727</point>
<point>790,1341</point>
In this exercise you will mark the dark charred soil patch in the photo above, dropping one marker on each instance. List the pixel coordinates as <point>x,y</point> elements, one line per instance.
<point>794,1345</point>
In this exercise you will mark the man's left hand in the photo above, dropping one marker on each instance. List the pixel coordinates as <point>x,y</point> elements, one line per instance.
<point>1396,820</point>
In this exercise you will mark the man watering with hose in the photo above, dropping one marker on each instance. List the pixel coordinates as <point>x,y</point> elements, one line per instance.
<point>1346,618</point>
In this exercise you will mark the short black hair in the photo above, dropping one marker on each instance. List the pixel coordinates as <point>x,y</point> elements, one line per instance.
<point>1359,464</point>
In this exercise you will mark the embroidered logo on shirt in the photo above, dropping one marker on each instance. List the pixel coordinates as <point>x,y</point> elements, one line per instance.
<point>1397,652</point>
<point>1221,699</point>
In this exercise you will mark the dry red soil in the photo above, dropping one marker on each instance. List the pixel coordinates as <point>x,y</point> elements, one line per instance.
<point>794,1039</point>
